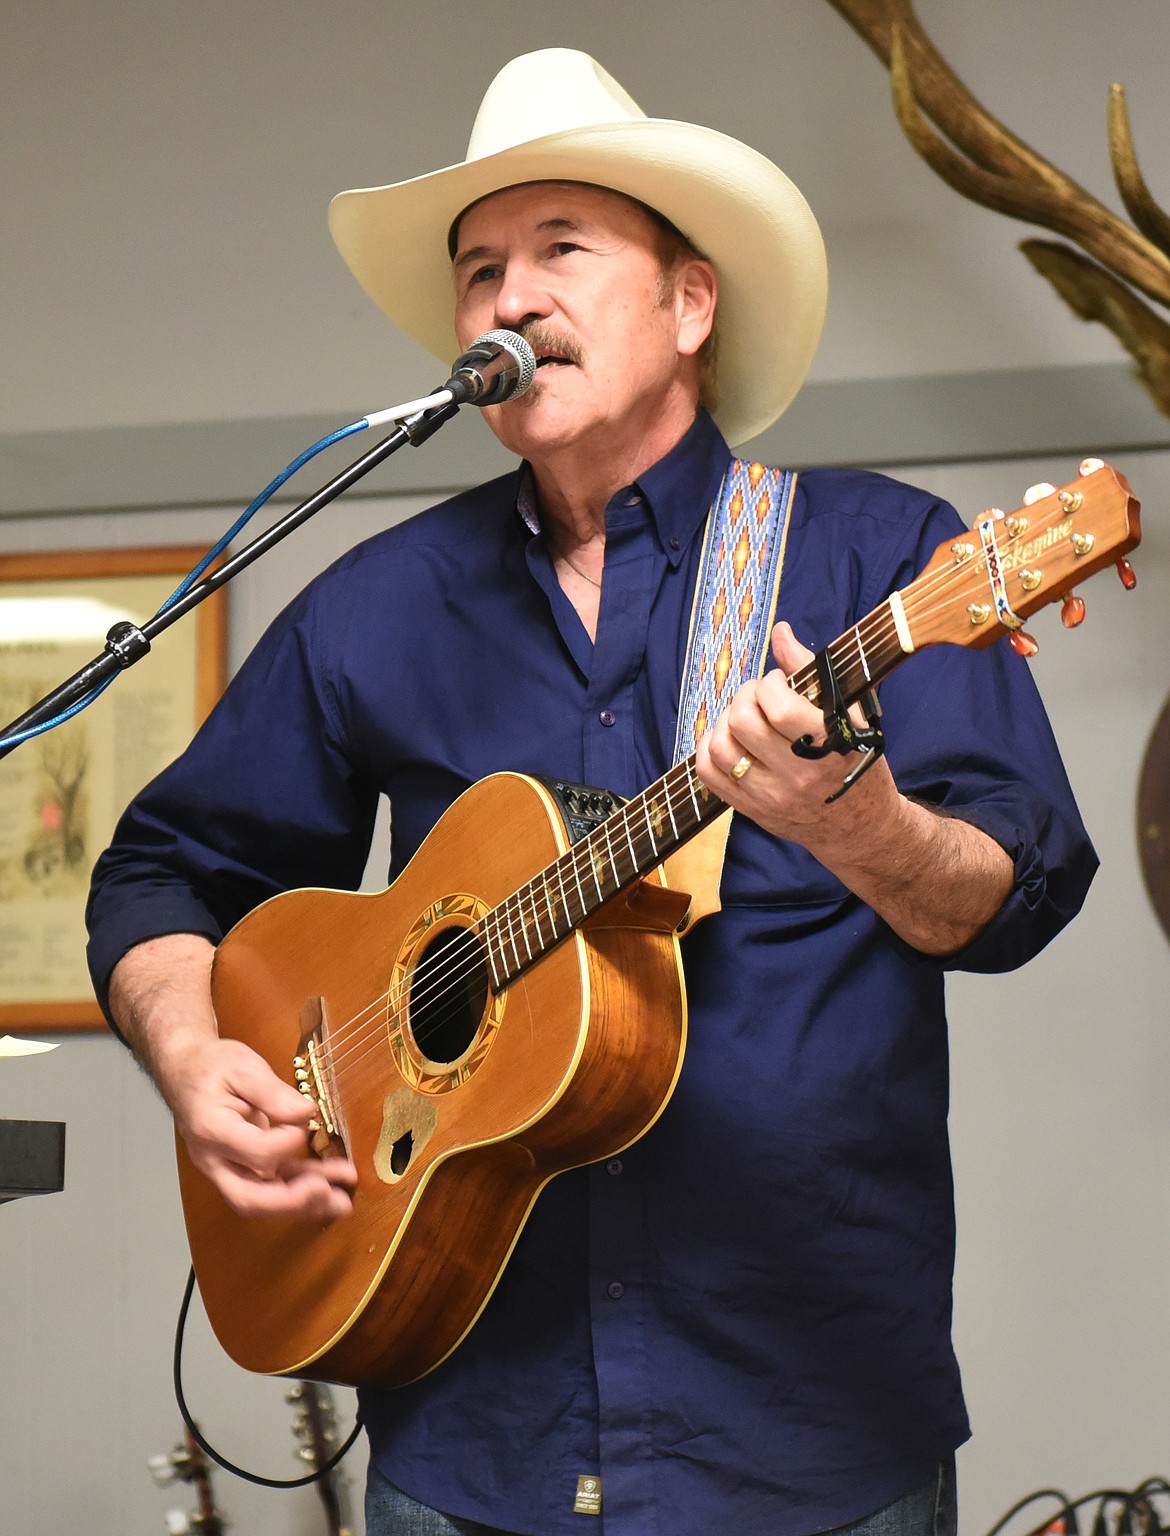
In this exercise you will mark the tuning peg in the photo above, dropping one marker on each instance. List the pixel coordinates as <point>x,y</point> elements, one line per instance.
<point>1036,493</point>
<point>1023,644</point>
<point>1127,573</point>
<point>162,1469</point>
<point>1089,466</point>
<point>1072,610</point>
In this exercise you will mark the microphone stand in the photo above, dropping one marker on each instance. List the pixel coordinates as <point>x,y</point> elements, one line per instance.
<point>126,643</point>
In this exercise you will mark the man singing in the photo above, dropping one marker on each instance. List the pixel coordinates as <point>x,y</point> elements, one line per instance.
<point>743,1321</point>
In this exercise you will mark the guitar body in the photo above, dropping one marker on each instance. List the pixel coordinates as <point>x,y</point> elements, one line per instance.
<point>569,1062</point>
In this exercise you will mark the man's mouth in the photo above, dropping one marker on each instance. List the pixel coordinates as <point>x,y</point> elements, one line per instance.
<point>554,349</point>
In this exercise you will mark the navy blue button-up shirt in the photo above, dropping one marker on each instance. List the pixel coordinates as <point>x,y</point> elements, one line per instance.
<point>745,1317</point>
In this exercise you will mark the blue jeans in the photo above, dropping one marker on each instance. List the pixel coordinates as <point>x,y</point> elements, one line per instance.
<point>930,1510</point>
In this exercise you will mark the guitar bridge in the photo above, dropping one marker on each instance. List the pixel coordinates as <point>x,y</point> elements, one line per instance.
<point>314,1076</point>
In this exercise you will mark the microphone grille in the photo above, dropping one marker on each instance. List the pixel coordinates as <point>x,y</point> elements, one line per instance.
<point>514,344</point>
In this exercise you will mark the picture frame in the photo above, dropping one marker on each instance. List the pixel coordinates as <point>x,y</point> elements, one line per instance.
<point>62,792</point>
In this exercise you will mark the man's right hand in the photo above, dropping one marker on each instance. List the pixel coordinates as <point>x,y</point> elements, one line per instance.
<point>245,1129</point>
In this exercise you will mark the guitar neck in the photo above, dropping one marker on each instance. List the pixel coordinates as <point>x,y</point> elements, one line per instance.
<point>975,588</point>
<point>650,827</point>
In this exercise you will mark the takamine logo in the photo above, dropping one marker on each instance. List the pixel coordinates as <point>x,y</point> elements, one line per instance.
<point>1014,554</point>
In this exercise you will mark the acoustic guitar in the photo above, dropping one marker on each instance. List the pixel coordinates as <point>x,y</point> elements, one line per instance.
<point>513,1005</point>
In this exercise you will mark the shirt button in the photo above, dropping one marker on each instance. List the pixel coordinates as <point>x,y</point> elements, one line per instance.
<point>616,1289</point>
<point>614,1166</point>
<point>674,544</point>
<point>607,717</point>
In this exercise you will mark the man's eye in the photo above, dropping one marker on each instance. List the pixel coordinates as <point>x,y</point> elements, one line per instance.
<point>483,274</point>
<point>564,248</point>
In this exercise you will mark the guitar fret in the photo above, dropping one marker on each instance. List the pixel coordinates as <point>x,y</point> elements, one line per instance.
<point>491,957</point>
<point>512,930</point>
<point>861,652</point>
<point>593,867</point>
<point>629,838</point>
<point>670,808</point>
<point>523,919</point>
<point>612,857</point>
<point>690,772</point>
<point>550,909</point>
<point>564,895</point>
<point>650,825</point>
<point>577,882</point>
<point>536,918</point>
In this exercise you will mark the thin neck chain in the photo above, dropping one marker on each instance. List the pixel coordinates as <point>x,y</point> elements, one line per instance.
<point>571,563</point>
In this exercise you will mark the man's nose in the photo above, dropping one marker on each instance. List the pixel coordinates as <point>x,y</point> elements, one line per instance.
<point>522,297</point>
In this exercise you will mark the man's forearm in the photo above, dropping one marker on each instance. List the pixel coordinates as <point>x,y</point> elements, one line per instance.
<point>935,879</point>
<point>245,1128</point>
<point>160,998</point>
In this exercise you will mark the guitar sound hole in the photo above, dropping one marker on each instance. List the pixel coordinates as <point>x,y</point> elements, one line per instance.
<point>448,994</point>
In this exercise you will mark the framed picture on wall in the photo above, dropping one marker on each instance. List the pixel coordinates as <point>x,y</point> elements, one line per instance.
<point>61,793</point>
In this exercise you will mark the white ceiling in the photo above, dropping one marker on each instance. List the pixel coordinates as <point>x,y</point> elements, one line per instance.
<point>166,166</point>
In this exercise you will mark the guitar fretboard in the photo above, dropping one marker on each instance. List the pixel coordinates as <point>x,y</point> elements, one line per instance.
<point>647,829</point>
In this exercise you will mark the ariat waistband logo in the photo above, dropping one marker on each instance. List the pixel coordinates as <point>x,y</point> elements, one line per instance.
<point>588,1500</point>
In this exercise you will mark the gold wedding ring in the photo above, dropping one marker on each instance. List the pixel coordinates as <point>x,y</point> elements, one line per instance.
<point>741,767</point>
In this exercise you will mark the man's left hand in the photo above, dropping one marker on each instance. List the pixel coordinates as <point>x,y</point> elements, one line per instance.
<point>781,792</point>
<point>935,879</point>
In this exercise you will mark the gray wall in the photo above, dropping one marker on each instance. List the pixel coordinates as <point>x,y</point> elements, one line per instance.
<point>173,317</point>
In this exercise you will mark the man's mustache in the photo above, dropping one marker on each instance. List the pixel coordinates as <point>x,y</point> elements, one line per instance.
<point>544,339</point>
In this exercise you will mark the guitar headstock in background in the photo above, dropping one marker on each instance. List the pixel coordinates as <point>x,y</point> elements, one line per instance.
<point>315,1427</point>
<point>187,1464</point>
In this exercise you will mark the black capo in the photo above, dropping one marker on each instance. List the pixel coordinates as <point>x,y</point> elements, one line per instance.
<point>841,735</point>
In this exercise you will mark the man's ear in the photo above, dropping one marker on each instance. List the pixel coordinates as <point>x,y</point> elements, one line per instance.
<point>696,293</point>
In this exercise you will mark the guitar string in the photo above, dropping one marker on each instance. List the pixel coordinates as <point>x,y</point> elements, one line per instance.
<point>574,863</point>
<point>346,1038</point>
<point>866,634</point>
<point>532,893</point>
<point>446,981</point>
<point>536,892</point>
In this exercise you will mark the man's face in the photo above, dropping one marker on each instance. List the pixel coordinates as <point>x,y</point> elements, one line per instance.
<point>576,270</point>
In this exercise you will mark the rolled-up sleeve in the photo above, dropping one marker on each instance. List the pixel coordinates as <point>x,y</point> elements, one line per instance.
<point>967,733</point>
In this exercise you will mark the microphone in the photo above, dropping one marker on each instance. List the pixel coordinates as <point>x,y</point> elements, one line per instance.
<point>497,366</point>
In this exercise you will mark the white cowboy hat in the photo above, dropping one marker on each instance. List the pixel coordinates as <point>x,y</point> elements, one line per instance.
<point>556,115</point>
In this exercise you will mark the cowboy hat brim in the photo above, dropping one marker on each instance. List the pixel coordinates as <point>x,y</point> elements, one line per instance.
<point>731,202</point>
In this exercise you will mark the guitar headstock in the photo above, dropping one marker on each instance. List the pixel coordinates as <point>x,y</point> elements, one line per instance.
<point>982,584</point>
<point>187,1464</point>
<point>315,1428</point>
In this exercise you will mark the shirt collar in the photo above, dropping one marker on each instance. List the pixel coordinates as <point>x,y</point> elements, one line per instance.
<point>679,490</point>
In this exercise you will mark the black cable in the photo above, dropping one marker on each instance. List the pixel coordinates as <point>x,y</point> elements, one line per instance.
<point>1141,1498</point>
<point>1041,1493</point>
<point>208,1450</point>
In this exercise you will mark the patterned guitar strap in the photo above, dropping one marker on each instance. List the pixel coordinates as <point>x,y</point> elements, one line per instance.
<point>731,624</point>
